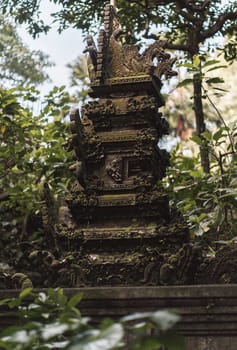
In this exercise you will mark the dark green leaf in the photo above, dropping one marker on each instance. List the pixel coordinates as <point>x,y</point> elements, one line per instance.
<point>172,341</point>
<point>215,80</point>
<point>185,82</point>
<point>197,140</point>
<point>74,301</point>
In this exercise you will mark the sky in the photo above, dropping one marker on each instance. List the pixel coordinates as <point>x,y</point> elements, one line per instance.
<point>62,48</point>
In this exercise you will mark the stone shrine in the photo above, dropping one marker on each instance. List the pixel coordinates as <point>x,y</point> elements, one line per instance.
<point>122,230</point>
<point>117,240</point>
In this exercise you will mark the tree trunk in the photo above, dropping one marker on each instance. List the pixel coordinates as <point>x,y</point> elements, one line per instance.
<point>199,117</point>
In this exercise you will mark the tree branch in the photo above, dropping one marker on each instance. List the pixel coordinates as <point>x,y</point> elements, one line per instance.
<point>221,20</point>
<point>187,15</point>
<point>178,47</point>
<point>168,45</point>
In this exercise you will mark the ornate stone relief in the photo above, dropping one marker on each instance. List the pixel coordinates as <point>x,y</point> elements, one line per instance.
<point>114,60</point>
<point>115,169</point>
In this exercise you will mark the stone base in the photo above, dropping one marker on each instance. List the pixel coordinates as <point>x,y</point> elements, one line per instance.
<point>125,255</point>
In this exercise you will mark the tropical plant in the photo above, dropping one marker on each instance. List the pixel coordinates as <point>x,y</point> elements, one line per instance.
<point>208,201</point>
<point>31,151</point>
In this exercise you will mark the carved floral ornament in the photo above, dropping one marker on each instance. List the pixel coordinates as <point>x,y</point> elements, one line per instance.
<point>111,59</point>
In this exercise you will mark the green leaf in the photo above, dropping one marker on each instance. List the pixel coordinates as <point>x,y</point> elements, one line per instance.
<point>219,89</point>
<point>5,301</point>
<point>75,300</point>
<point>197,140</point>
<point>187,65</point>
<point>25,292</point>
<point>206,135</point>
<point>196,61</point>
<point>149,343</point>
<point>216,67</point>
<point>215,80</point>
<point>185,82</point>
<point>172,341</point>
<point>4,345</point>
<point>210,63</point>
<point>14,303</point>
<point>219,134</point>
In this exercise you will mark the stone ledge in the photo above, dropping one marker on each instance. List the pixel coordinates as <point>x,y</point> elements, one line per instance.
<point>209,312</point>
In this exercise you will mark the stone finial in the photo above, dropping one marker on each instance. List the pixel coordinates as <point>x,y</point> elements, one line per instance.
<point>112,59</point>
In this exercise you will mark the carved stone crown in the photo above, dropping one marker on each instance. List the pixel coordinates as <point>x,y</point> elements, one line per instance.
<point>111,61</point>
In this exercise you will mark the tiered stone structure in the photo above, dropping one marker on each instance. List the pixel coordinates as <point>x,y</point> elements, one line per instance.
<point>122,231</point>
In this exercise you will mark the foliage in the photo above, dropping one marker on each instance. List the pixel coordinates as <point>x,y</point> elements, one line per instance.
<point>183,16</point>
<point>19,65</point>
<point>79,77</point>
<point>52,321</point>
<point>208,201</point>
<point>31,151</point>
<point>217,81</point>
<point>203,66</point>
<point>204,84</point>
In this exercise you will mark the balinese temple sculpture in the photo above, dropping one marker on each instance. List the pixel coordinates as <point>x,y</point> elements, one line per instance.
<point>122,230</point>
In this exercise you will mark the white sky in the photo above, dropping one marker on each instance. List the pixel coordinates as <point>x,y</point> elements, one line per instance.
<point>63,48</point>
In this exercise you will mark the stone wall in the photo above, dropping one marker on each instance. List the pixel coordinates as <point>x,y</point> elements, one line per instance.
<point>208,313</point>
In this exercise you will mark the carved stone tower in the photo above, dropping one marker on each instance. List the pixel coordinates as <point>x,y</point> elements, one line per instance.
<point>122,231</point>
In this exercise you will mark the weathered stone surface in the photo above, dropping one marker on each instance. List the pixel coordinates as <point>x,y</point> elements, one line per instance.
<point>208,313</point>
<point>121,219</point>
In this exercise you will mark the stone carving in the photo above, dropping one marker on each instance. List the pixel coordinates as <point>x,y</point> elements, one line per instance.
<point>78,136</point>
<point>101,57</point>
<point>147,134</point>
<point>80,198</point>
<point>114,60</point>
<point>150,196</point>
<point>85,141</point>
<point>128,61</point>
<point>94,152</point>
<point>139,104</point>
<point>92,57</point>
<point>98,108</point>
<point>94,182</point>
<point>115,169</point>
<point>78,170</point>
<point>220,268</point>
<point>180,268</point>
